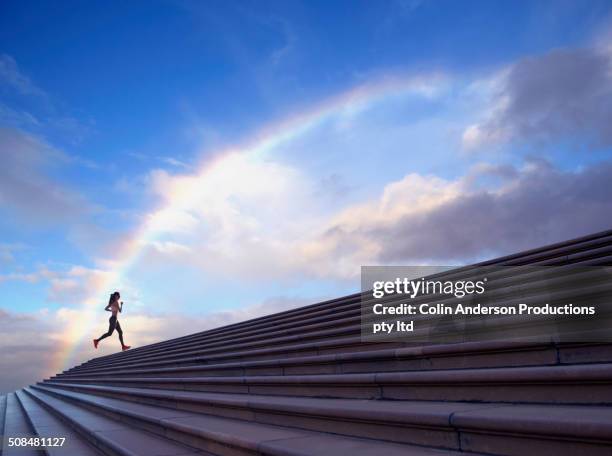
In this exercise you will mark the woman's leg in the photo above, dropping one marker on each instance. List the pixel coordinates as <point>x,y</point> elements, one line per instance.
<point>111,327</point>
<point>120,332</point>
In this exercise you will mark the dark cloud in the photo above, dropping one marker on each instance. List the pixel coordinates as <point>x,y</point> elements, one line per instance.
<point>564,94</point>
<point>25,190</point>
<point>25,349</point>
<point>541,206</point>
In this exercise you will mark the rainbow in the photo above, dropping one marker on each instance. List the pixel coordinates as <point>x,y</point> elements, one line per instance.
<point>359,98</point>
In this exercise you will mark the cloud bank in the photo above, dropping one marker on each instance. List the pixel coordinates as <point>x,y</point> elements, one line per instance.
<point>564,94</point>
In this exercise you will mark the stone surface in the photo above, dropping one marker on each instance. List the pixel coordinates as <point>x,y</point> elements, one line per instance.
<point>301,382</point>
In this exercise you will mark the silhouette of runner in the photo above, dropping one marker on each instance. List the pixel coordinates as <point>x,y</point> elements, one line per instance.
<point>115,307</point>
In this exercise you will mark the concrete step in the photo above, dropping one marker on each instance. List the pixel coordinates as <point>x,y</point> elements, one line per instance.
<point>394,421</point>
<point>320,347</point>
<point>426,423</point>
<point>302,328</point>
<point>339,334</point>
<point>107,434</point>
<point>333,329</point>
<point>502,429</point>
<point>286,326</point>
<point>585,353</point>
<point>572,251</point>
<point>563,250</point>
<point>16,426</point>
<point>329,331</point>
<point>52,429</point>
<point>331,357</point>
<point>302,382</point>
<point>223,436</point>
<point>322,309</point>
<point>572,384</point>
<point>432,357</point>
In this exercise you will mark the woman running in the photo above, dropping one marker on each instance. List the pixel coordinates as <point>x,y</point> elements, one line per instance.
<point>113,306</point>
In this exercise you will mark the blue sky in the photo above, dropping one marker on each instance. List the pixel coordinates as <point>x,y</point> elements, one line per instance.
<point>220,160</point>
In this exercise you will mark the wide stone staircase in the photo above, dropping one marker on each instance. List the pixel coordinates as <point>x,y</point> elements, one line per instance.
<point>302,382</point>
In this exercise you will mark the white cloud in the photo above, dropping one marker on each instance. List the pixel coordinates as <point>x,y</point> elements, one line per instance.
<point>19,277</point>
<point>250,230</point>
<point>237,216</point>
<point>524,208</point>
<point>174,162</point>
<point>7,252</point>
<point>476,136</point>
<point>72,285</point>
<point>13,77</point>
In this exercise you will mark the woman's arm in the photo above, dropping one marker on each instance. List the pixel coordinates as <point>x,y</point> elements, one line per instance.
<point>121,307</point>
<point>107,308</point>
